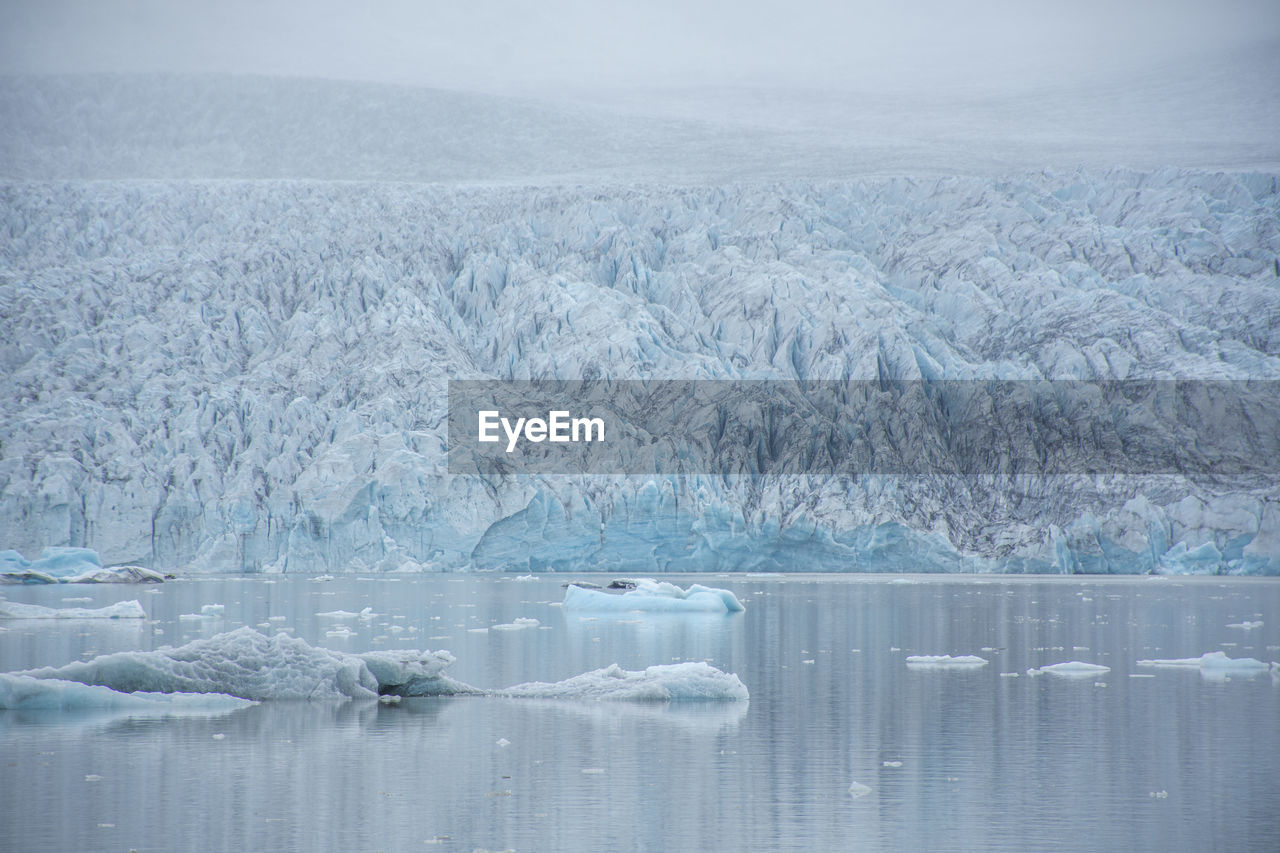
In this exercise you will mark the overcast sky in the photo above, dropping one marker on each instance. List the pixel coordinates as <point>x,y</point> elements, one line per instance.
<point>566,46</point>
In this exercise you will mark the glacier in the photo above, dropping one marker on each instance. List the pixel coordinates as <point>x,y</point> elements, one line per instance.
<point>208,369</point>
<point>247,664</point>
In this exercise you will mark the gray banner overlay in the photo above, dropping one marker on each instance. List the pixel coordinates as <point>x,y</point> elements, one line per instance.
<point>1198,428</point>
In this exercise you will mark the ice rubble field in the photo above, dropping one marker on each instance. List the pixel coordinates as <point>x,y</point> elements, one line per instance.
<point>222,375</point>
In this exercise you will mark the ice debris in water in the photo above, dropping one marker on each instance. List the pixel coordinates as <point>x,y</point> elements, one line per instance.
<point>1245,626</point>
<point>251,665</point>
<point>941,661</point>
<point>857,789</point>
<point>119,610</point>
<point>651,595</point>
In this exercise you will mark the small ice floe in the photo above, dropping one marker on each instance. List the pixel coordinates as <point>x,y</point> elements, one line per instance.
<point>212,609</point>
<point>1072,669</point>
<point>321,578</point>
<point>592,771</point>
<point>389,699</point>
<point>366,613</point>
<point>1212,666</point>
<point>857,789</point>
<point>650,595</point>
<point>518,624</point>
<point>1158,795</point>
<point>503,742</point>
<point>679,682</point>
<point>1008,675</point>
<point>945,661</point>
<point>891,764</point>
<point>341,632</point>
<point>525,578</point>
<point>119,610</point>
<point>79,599</point>
<point>1245,626</point>
<point>477,630</point>
<point>219,736</point>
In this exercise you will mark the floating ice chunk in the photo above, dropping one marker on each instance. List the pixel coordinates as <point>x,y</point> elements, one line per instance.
<point>944,661</point>
<point>338,614</point>
<point>518,624</point>
<point>116,574</point>
<point>321,578</point>
<point>23,693</point>
<point>503,742</point>
<point>670,682</point>
<point>251,665</point>
<point>525,578</point>
<point>1073,668</point>
<point>1245,626</point>
<point>857,789</point>
<point>119,610</point>
<point>212,609</point>
<point>342,632</point>
<point>651,595</point>
<point>1210,661</point>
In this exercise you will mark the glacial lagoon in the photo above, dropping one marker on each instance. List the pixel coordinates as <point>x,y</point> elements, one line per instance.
<point>842,745</point>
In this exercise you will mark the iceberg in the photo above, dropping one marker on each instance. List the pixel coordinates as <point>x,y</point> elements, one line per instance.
<point>1210,662</point>
<point>70,565</point>
<point>943,661</point>
<point>24,693</point>
<point>647,594</point>
<point>119,610</point>
<point>247,664</point>
<point>1072,669</point>
<point>676,682</point>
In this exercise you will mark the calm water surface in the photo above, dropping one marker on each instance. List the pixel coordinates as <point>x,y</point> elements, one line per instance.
<point>985,759</point>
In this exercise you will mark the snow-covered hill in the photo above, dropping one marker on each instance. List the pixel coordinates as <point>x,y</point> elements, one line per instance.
<point>251,375</point>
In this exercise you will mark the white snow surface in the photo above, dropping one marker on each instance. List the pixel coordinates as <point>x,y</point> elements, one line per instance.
<point>251,375</point>
<point>654,596</point>
<point>119,610</point>
<point>251,665</point>
<point>676,682</point>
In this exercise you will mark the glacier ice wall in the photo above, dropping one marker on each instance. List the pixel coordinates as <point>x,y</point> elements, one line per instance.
<point>251,376</point>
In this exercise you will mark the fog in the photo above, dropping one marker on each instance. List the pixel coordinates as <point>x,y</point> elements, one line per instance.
<point>577,47</point>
